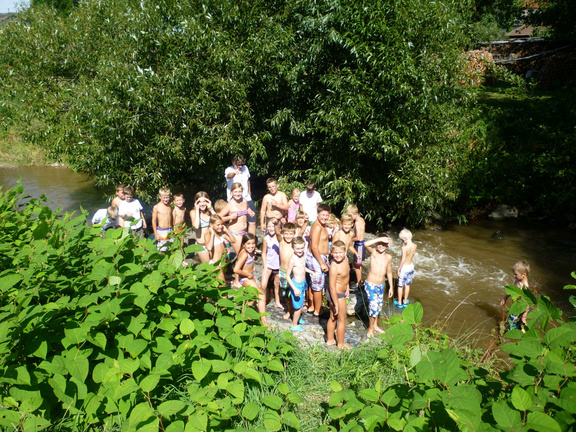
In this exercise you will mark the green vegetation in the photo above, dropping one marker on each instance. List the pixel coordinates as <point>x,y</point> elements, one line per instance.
<point>367,98</point>
<point>109,334</point>
<point>360,96</point>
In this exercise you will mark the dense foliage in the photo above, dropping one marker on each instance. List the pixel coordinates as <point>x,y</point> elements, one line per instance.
<point>363,97</point>
<point>107,333</point>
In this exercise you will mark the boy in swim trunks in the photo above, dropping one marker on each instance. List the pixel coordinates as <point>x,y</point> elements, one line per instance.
<point>297,281</point>
<point>521,271</point>
<point>345,233</point>
<point>337,294</point>
<point>179,213</point>
<point>285,236</point>
<point>405,268</point>
<point>274,204</point>
<point>359,231</point>
<point>380,269</point>
<point>162,220</point>
<point>317,258</point>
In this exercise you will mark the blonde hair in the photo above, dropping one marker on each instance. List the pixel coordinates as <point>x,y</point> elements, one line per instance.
<point>218,205</point>
<point>347,217</point>
<point>288,226</point>
<point>120,187</point>
<point>235,186</point>
<point>178,195</point>
<point>339,244</point>
<point>215,218</point>
<point>333,219</point>
<point>112,212</point>
<point>163,191</point>
<point>405,234</point>
<point>294,191</point>
<point>352,209</point>
<point>521,267</point>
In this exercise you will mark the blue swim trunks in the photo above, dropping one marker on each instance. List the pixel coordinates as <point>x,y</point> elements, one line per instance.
<point>406,275</point>
<point>375,295</point>
<point>298,301</point>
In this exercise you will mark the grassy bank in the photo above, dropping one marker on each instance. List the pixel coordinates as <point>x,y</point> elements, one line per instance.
<point>15,152</point>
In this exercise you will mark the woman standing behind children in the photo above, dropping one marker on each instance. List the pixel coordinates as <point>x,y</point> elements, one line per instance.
<point>215,239</point>
<point>236,213</point>
<point>244,268</point>
<point>271,260</point>
<point>200,217</point>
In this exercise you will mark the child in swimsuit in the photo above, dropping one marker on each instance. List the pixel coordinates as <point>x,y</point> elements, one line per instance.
<point>294,206</point>
<point>235,213</point>
<point>200,217</point>
<point>215,238</point>
<point>336,295</point>
<point>244,268</point>
<point>359,240</point>
<point>271,260</point>
<point>521,271</point>
<point>405,268</point>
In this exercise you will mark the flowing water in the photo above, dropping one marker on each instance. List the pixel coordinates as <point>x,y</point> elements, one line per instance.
<point>460,272</point>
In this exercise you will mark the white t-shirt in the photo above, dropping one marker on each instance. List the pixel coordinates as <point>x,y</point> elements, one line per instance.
<point>133,207</point>
<point>102,214</point>
<point>310,204</point>
<point>243,178</point>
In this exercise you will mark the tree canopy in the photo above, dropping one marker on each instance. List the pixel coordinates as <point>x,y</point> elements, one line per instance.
<point>363,97</point>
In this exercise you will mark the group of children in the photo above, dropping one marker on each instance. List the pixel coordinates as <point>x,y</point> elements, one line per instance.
<point>304,245</point>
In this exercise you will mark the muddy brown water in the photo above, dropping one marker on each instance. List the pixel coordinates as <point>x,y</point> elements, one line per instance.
<point>460,271</point>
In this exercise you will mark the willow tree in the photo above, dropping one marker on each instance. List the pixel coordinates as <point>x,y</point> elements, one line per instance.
<point>364,97</point>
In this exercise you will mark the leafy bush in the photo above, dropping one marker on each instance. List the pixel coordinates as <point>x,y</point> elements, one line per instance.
<point>361,97</point>
<point>444,392</point>
<point>109,333</point>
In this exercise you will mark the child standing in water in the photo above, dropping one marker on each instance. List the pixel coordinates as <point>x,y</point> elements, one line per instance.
<point>405,268</point>
<point>271,260</point>
<point>521,271</point>
<point>380,269</point>
<point>215,238</point>
<point>244,268</point>
<point>200,217</point>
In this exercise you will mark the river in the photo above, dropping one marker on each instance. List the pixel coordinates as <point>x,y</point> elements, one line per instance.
<point>460,271</point>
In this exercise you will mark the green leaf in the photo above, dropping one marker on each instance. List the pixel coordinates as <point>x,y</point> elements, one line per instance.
<point>9,280</point>
<point>273,402</point>
<point>521,399</point>
<point>413,313</point>
<point>542,422</point>
<point>370,395</point>
<point>335,386</point>
<point>290,420</point>
<point>149,382</point>
<point>506,418</point>
<point>186,326</point>
<point>200,369</point>
<point>275,365</point>
<point>251,410</point>
<point>171,407</point>
<point>272,421</point>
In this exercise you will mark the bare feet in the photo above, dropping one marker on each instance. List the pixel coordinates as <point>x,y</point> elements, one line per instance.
<point>286,316</point>
<point>370,335</point>
<point>344,346</point>
<point>378,330</point>
<point>331,342</point>
<point>279,306</point>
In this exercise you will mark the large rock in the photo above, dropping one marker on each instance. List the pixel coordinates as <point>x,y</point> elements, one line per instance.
<point>504,211</point>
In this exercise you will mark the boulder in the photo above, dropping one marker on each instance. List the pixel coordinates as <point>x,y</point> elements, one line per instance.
<point>503,211</point>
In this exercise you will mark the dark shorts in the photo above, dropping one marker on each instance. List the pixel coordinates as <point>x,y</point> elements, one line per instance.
<point>251,206</point>
<point>361,249</point>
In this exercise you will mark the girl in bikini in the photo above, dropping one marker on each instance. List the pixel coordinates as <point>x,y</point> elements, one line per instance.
<point>200,217</point>
<point>235,213</point>
<point>244,269</point>
<point>215,238</point>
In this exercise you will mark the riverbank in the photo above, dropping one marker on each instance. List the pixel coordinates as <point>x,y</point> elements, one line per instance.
<point>15,152</point>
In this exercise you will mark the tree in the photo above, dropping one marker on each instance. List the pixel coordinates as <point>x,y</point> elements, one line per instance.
<point>362,97</point>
